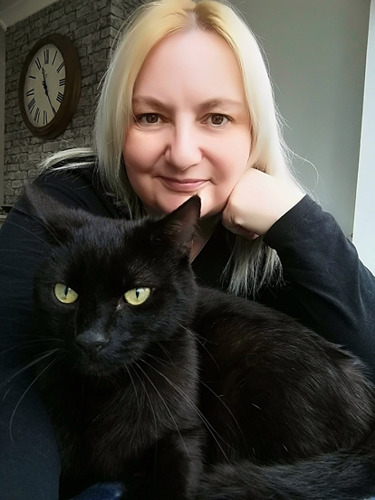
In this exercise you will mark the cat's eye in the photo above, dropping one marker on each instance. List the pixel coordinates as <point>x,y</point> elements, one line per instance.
<point>65,294</point>
<point>137,296</point>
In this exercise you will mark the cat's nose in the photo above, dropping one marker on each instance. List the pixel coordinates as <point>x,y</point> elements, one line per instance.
<point>92,341</point>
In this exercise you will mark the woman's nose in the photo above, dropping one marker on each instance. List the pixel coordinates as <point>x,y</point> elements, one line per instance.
<point>183,149</point>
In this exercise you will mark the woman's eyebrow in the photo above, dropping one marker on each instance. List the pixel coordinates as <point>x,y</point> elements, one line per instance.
<point>223,102</point>
<point>148,101</point>
<point>208,105</point>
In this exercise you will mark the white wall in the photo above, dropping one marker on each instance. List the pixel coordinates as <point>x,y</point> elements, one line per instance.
<point>364,219</point>
<point>317,55</point>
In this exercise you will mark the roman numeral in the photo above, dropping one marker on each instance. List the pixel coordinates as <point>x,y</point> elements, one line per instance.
<point>38,64</point>
<point>46,56</point>
<point>59,97</point>
<point>62,82</point>
<point>33,77</point>
<point>54,57</point>
<point>37,115</point>
<point>31,105</point>
<point>60,67</point>
<point>30,92</point>
<point>45,117</point>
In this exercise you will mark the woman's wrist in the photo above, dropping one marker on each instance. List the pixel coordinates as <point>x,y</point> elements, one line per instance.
<point>258,201</point>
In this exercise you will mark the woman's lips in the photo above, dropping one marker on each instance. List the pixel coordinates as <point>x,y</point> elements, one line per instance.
<point>183,185</point>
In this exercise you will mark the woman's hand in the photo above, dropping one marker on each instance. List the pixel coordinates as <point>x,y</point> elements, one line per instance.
<point>258,201</point>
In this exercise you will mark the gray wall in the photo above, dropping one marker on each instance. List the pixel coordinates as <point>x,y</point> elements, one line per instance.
<point>92,26</point>
<point>317,56</point>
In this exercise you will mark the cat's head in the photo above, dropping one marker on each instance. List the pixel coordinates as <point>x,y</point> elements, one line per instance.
<point>111,290</point>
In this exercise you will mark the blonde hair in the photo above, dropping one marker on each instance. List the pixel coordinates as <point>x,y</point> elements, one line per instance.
<point>252,263</point>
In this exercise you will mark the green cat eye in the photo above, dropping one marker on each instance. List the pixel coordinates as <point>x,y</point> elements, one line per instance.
<point>137,296</point>
<point>65,294</point>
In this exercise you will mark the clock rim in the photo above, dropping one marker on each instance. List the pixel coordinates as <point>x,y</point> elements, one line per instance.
<point>72,90</point>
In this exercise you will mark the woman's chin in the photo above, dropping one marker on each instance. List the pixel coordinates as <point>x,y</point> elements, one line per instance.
<point>169,203</point>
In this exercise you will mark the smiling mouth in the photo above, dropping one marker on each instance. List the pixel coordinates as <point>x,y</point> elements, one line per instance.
<point>183,185</point>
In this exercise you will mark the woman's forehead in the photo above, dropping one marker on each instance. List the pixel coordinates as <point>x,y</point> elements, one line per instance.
<point>190,62</point>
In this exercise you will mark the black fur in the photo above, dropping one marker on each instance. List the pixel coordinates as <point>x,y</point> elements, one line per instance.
<point>194,394</point>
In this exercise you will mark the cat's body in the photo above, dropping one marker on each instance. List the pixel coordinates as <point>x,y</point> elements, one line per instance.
<point>190,393</point>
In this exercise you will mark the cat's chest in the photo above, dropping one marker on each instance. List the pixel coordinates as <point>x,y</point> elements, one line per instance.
<point>121,424</point>
<point>123,430</point>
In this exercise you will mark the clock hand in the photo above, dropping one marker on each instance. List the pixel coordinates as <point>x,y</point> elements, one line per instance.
<point>44,82</point>
<point>46,90</point>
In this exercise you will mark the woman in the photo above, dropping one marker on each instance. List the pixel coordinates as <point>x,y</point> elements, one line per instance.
<point>186,107</point>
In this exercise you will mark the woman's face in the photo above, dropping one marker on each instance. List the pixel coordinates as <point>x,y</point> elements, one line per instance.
<point>191,128</point>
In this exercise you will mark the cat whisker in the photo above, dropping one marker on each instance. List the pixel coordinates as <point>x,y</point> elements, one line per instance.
<point>26,367</point>
<point>166,353</point>
<point>42,337</point>
<point>222,402</point>
<point>200,414</point>
<point>163,401</point>
<point>201,343</point>
<point>161,361</point>
<point>127,369</point>
<point>136,365</point>
<point>24,394</point>
<point>26,343</point>
<point>203,419</point>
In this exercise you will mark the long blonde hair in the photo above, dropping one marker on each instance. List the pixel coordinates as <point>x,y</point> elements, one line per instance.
<point>252,263</point>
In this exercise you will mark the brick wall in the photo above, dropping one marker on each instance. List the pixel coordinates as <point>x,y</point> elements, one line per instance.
<point>92,26</point>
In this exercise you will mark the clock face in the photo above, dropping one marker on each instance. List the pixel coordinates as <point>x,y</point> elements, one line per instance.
<point>50,86</point>
<point>44,86</point>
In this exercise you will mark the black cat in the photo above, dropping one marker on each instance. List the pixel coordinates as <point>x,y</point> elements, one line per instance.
<point>182,392</point>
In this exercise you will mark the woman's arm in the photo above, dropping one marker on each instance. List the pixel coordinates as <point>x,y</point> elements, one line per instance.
<point>334,290</point>
<point>29,458</point>
<point>327,287</point>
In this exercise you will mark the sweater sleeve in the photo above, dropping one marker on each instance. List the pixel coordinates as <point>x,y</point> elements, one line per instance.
<point>334,291</point>
<point>29,458</point>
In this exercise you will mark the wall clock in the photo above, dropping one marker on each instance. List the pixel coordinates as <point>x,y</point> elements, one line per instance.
<point>50,86</point>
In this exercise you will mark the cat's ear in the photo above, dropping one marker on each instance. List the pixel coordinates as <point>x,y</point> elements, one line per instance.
<point>181,224</point>
<point>58,220</point>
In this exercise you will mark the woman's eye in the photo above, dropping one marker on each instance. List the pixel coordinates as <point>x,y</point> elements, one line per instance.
<point>148,119</point>
<point>137,296</point>
<point>218,119</point>
<point>65,294</point>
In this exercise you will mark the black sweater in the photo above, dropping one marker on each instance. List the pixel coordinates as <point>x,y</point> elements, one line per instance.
<point>326,287</point>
